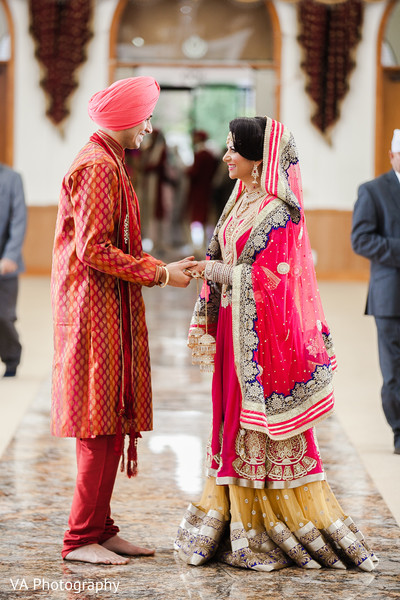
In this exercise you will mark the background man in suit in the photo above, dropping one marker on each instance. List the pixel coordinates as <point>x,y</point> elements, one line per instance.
<point>376,235</point>
<point>12,233</point>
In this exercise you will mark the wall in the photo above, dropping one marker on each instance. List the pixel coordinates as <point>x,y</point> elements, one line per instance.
<point>331,171</point>
<point>39,238</point>
<point>43,152</point>
<point>329,232</point>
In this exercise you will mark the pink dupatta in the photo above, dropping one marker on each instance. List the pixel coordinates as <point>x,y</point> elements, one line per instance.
<point>284,356</point>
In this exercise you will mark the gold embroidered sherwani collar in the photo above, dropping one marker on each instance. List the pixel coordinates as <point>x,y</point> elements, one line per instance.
<point>112,143</point>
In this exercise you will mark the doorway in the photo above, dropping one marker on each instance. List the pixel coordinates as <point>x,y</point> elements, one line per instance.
<point>214,61</point>
<point>226,54</point>
<point>388,85</point>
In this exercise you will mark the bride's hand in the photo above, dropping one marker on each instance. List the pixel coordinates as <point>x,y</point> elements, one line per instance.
<point>198,270</point>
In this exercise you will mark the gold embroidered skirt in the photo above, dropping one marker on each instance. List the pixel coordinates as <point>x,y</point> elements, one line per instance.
<point>268,529</point>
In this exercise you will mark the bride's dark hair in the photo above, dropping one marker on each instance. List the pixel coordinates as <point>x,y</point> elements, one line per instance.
<point>248,136</point>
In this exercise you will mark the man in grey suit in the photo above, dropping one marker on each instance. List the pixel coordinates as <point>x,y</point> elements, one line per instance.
<point>376,235</point>
<point>12,233</point>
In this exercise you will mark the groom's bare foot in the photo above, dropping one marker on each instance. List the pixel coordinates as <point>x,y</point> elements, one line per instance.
<point>121,546</point>
<point>95,553</point>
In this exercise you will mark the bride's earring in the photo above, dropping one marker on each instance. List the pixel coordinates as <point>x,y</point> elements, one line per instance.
<point>254,174</point>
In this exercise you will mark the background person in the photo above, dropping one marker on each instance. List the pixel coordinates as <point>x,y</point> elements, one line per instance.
<point>200,188</point>
<point>101,385</point>
<point>376,236</point>
<point>12,235</point>
<point>153,199</point>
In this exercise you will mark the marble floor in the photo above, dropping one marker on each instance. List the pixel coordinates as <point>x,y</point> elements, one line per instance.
<point>37,474</point>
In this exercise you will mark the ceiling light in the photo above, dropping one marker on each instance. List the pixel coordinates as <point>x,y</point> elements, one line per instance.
<point>138,42</point>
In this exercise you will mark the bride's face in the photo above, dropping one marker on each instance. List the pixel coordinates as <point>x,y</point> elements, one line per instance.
<point>238,166</point>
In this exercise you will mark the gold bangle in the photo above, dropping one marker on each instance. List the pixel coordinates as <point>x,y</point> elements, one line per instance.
<point>166,278</point>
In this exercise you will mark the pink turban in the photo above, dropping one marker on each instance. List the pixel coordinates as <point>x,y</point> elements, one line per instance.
<point>125,103</point>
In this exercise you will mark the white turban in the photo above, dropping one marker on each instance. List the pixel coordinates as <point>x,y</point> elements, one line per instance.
<point>396,141</point>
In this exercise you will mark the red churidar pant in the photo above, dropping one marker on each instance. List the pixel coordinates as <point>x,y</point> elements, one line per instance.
<point>90,518</point>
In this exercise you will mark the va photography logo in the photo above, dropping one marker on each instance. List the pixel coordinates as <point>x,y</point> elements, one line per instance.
<point>22,584</point>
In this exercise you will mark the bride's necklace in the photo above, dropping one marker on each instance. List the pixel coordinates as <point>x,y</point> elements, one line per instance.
<point>242,219</point>
<point>249,198</point>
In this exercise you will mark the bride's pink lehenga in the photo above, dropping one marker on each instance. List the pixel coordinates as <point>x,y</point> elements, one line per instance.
<point>266,503</point>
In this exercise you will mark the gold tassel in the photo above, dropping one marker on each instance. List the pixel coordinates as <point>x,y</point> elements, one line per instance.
<point>194,336</point>
<point>203,345</point>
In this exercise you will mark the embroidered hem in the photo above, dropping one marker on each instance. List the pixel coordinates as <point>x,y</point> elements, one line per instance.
<point>259,485</point>
<point>269,531</point>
